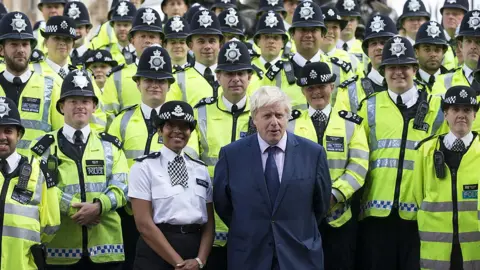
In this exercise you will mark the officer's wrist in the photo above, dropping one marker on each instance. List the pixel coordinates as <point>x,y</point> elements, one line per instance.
<point>97,202</point>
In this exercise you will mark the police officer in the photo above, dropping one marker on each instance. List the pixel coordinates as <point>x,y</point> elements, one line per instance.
<point>430,48</point>
<point>171,195</point>
<point>222,120</point>
<point>413,16</point>
<point>394,121</point>
<point>121,23</point>
<point>92,179</point>
<point>352,91</point>
<point>32,92</point>
<point>349,10</point>
<point>30,211</point>
<point>48,8</point>
<point>176,32</point>
<point>445,187</point>
<point>120,90</point>
<point>78,12</point>
<point>468,41</point>
<point>452,15</point>
<point>104,34</point>
<point>222,5</point>
<point>231,25</point>
<point>345,142</point>
<point>193,84</point>
<point>100,62</point>
<point>172,8</point>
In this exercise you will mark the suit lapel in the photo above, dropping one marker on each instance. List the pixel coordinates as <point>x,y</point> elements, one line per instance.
<point>257,168</point>
<point>288,168</point>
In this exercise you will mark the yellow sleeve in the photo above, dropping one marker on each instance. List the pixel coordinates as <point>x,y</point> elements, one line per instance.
<point>111,105</point>
<point>175,93</point>
<point>49,210</point>
<point>418,175</point>
<point>56,119</point>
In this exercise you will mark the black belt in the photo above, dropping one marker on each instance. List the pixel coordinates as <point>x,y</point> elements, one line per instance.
<point>183,229</point>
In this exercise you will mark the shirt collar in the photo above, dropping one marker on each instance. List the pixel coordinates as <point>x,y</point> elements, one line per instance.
<point>273,62</point>
<point>147,110</point>
<point>282,144</point>
<point>327,110</point>
<point>411,40</point>
<point>81,50</point>
<point>300,60</point>
<point>13,160</point>
<point>375,76</point>
<point>56,67</point>
<point>349,43</point>
<point>467,71</point>
<point>331,52</point>
<point>24,77</point>
<point>240,104</point>
<point>447,36</point>
<point>68,131</point>
<point>425,76</point>
<point>407,97</point>
<point>450,139</point>
<point>169,155</point>
<point>287,25</point>
<point>201,68</point>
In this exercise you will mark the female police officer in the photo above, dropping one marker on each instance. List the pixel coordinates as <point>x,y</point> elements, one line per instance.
<point>446,186</point>
<point>171,195</point>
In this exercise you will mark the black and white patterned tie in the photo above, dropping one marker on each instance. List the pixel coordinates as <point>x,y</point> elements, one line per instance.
<point>62,73</point>
<point>319,120</point>
<point>177,170</point>
<point>458,146</point>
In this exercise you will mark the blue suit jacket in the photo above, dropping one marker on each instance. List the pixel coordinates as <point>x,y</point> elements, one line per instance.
<point>289,228</point>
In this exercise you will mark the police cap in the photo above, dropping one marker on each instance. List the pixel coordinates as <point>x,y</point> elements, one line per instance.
<point>397,51</point>
<point>9,115</point>
<point>460,95</point>
<point>457,4</point>
<point>231,23</point>
<point>40,4</point>
<point>234,56</point>
<point>315,73</point>
<point>123,12</point>
<point>309,15</point>
<point>79,13</point>
<point>348,8</point>
<point>176,27</point>
<point>147,19</point>
<point>16,25</point>
<point>413,8</point>
<point>379,26</point>
<point>224,4</point>
<point>175,110</point>
<point>100,56</point>
<point>431,33</point>
<point>330,14</point>
<point>3,10</point>
<point>205,22</point>
<point>270,23</point>
<point>77,83</point>
<point>275,5</point>
<point>470,25</point>
<point>192,11</point>
<point>155,63</point>
<point>60,26</point>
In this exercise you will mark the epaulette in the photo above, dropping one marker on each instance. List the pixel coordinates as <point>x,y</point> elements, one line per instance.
<point>49,179</point>
<point>274,69</point>
<point>348,82</point>
<point>417,146</point>
<point>37,56</point>
<point>128,108</point>
<point>196,160</point>
<point>251,51</point>
<point>294,115</point>
<point>350,116</point>
<point>112,139</point>
<point>43,144</point>
<point>36,25</point>
<point>115,69</point>
<point>419,82</point>
<point>206,101</point>
<point>347,67</point>
<point>258,71</point>
<point>151,155</point>
<point>177,68</point>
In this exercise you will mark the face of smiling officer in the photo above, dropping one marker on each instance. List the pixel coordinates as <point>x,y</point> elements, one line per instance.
<point>175,134</point>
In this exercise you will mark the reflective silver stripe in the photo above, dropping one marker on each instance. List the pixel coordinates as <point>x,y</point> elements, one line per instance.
<point>300,107</point>
<point>278,79</point>
<point>471,265</point>
<point>336,163</point>
<point>202,125</point>
<point>50,230</point>
<point>353,97</point>
<point>391,163</point>
<point>37,197</point>
<point>357,168</point>
<point>447,80</point>
<point>37,68</point>
<point>349,128</point>
<point>393,143</point>
<point>131,154</point>
<point>65,202</point>
<point>439,237</point>
<point>190,151</point>
<point>21,233</point>
<point>96,120</point>
<point>438,122</point>
<point>22,210</point>
<point>108,153</point>
<point>109,33</point>
<point>47,97</point>
<point>371,116</point>
<point>336,71</point>
<point>448,206</point>
<point>124,123</point>
<point>182,84</point>
<point>119,180</point>
<point>111,107</point>
<point>354,61</point>
<point>433,264</point>
<point>37,125</point>
<point>117,79</point>
<point>357,153</point>
<point>113,199</point>
<point>210,161</point>
<point>23,144</point>
<point>291,126</point>
<point>89,187</point>
<point>352,181</point>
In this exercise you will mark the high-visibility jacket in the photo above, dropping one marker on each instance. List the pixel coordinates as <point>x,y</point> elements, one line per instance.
<point>98,120</point>
<point>100,175</point>
<point>347,151</point>
<point>447,207</point>
<point>217,127</point>
<point>37,107</point>
<point>120,91</point>
<point>28,219</point>
<point>276,75</point>
<point>450,61</point>
<point>392,143</point>
<point>104,36</point>
<point>352,91</point>
<point>130,127</point>
<point>445,81</point>
<point>40,39</point>
<point>344,56</point>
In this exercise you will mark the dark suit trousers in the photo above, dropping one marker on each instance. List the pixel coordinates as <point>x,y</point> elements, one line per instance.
<point>388,243</point>
<point>217,260</point>
<point>339,245</point>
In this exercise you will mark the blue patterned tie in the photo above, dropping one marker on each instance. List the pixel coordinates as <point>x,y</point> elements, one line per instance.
<point>271,174</point>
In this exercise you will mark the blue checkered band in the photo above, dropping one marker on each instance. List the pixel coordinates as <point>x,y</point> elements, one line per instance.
<point>383,205</point>
<point>409,207</point>
<point>221,236</point>
<point>337,213</point>
<point>77,253</point>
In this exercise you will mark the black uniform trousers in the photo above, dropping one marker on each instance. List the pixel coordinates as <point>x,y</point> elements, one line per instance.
<point>217,260</point>
<point>388,243</point>
<point>130,238</point>
<point>339,245</point>
<point>86,264</point>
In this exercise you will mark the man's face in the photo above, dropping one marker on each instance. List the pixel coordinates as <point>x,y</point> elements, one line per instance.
<point>9,137</point>
<point>218,10</point>
<point>177,48</point>
<point>470,47</point>
<point>270,45</point>
<point>16,53</point>
<point>271,122</point>
<point>235,83</point>
<point>77,110</point>
<point>318,96</point>
<point>50,10</point>
<point>460,119</point>
<point>121,30</point>
<point>175,134</point>
<point>143,39</point>
<point>307,39</point>
<point>82,32</point>
<point>411,25</point>
<point>349,31</point>
<point>290,6</point>
<point>375,49</point>
<point>400,77</point>
<point>175,7</point>
<point>59,47</point>
<point>153,91</point>
<point>100,71</point>
<point>452,17</point>
<point>333,34</point>
<point>429,56</point>
<point>205,48</point>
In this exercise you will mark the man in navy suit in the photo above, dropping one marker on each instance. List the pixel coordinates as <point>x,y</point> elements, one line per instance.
<point>272,189</point>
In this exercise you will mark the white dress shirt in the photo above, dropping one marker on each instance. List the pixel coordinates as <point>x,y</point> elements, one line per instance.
<point>12,162</point>
<point>426,76</point>
<point>201,69</point>
<point>375,76</point>
<point>80,50</point>
<point>147,110</point>
<point>409,98</point>
<point>239,104</point>
<point>468,73</point>
<point>300,60</point>
<point>349,43</point>
<point>24,77</point>
<point>149,180</point>
<point>279,154</point>
<point>450,139</point>
<point>56,67</point>
<point>327,110</point>
<point>69,133</point>
<point>263,61</point>
<point>411,40</point>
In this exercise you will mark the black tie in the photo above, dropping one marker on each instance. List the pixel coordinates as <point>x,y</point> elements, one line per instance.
<point>62,73</point>
<point>272,178</point>
<point>267,65</point>
<point>78,138</point>
<point>319,120</point>
<point>400,103</point>
<point>4,166</point>
<point>431,81</point>
<point>209,76</point>
<point>308,62</point>
<point>345,47</point>
<point>17,81</point>
<point>458,146</point>
<point>153,116</point>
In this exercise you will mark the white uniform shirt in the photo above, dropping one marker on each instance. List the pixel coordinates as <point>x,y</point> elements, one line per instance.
<point>201,69</point>
<point>409,98</point>
<point>13,160</point>
<point>176,205</point>
<point>450,139</point>
<point>56,67</point>
<point>24,77</point>
<point>69,133</point>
